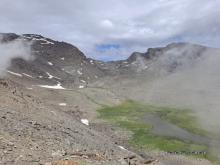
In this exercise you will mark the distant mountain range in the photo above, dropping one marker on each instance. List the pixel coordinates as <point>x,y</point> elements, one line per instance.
<point>64,63</point>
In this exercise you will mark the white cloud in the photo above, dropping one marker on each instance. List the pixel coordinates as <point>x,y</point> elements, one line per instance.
<point>16,49</point>
<point>106,23</point>
<point>132,24</point>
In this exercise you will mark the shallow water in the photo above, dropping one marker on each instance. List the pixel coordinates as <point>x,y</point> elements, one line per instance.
<point>164,128</point>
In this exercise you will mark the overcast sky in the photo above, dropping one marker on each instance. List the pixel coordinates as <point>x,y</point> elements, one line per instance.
<point>113,29</point>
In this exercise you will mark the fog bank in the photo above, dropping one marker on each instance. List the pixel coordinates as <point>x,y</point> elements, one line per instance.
<point>13,49</point>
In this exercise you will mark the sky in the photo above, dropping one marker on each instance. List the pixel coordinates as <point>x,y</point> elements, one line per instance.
<point>113,29</point>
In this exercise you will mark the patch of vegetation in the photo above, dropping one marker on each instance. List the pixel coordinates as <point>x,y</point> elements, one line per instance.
<point>129,115</point>
<point>184,118</point>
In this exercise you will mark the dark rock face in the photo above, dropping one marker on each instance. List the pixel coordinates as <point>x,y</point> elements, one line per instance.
<point>5,37</point>
<point>167,58</point>
<point>55,61</point>
<point>59,62</point>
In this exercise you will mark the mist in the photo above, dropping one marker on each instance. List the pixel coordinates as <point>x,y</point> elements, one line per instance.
<point>13,49</point>
<point>186,78</point>
<point>194,83</point>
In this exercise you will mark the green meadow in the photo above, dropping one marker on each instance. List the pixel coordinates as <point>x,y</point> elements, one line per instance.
<point>129,116</point>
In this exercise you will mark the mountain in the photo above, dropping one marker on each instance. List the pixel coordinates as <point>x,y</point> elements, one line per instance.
<point>61,62</point>
<point>54,61</point>
<point>48,104</point>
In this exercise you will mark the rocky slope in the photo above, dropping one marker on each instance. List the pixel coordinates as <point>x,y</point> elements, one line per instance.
<point>54,61</point>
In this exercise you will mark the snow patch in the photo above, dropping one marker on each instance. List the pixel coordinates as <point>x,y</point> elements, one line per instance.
<point>85,121</point>
<point>27,75</point>
<point>50,63</point>
<point>15,74</point>
<point>83,81</point>
<point>134,63</point>
<point>38,38</point>
<point>47,43</point>
<point>81,86</point>
<point>27,37</point>
<point>29,88</point>
<point>51,76</point>
<point>53,113</point>
<point>62,58</point>
<point>79,72</point>
<point>62,104</point>
<point>121,147</point>
<point>58,86</point>
<point>146,67</point>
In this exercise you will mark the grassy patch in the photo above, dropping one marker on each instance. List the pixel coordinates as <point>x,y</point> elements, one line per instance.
<point>183,118</point>
<point>129,109</point>
<point>129,115</point>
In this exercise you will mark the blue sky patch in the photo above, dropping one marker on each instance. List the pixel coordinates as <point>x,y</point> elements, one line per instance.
<point>106,47</point>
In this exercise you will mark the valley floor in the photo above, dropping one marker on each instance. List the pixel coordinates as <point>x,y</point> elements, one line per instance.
<point>39,126</point>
